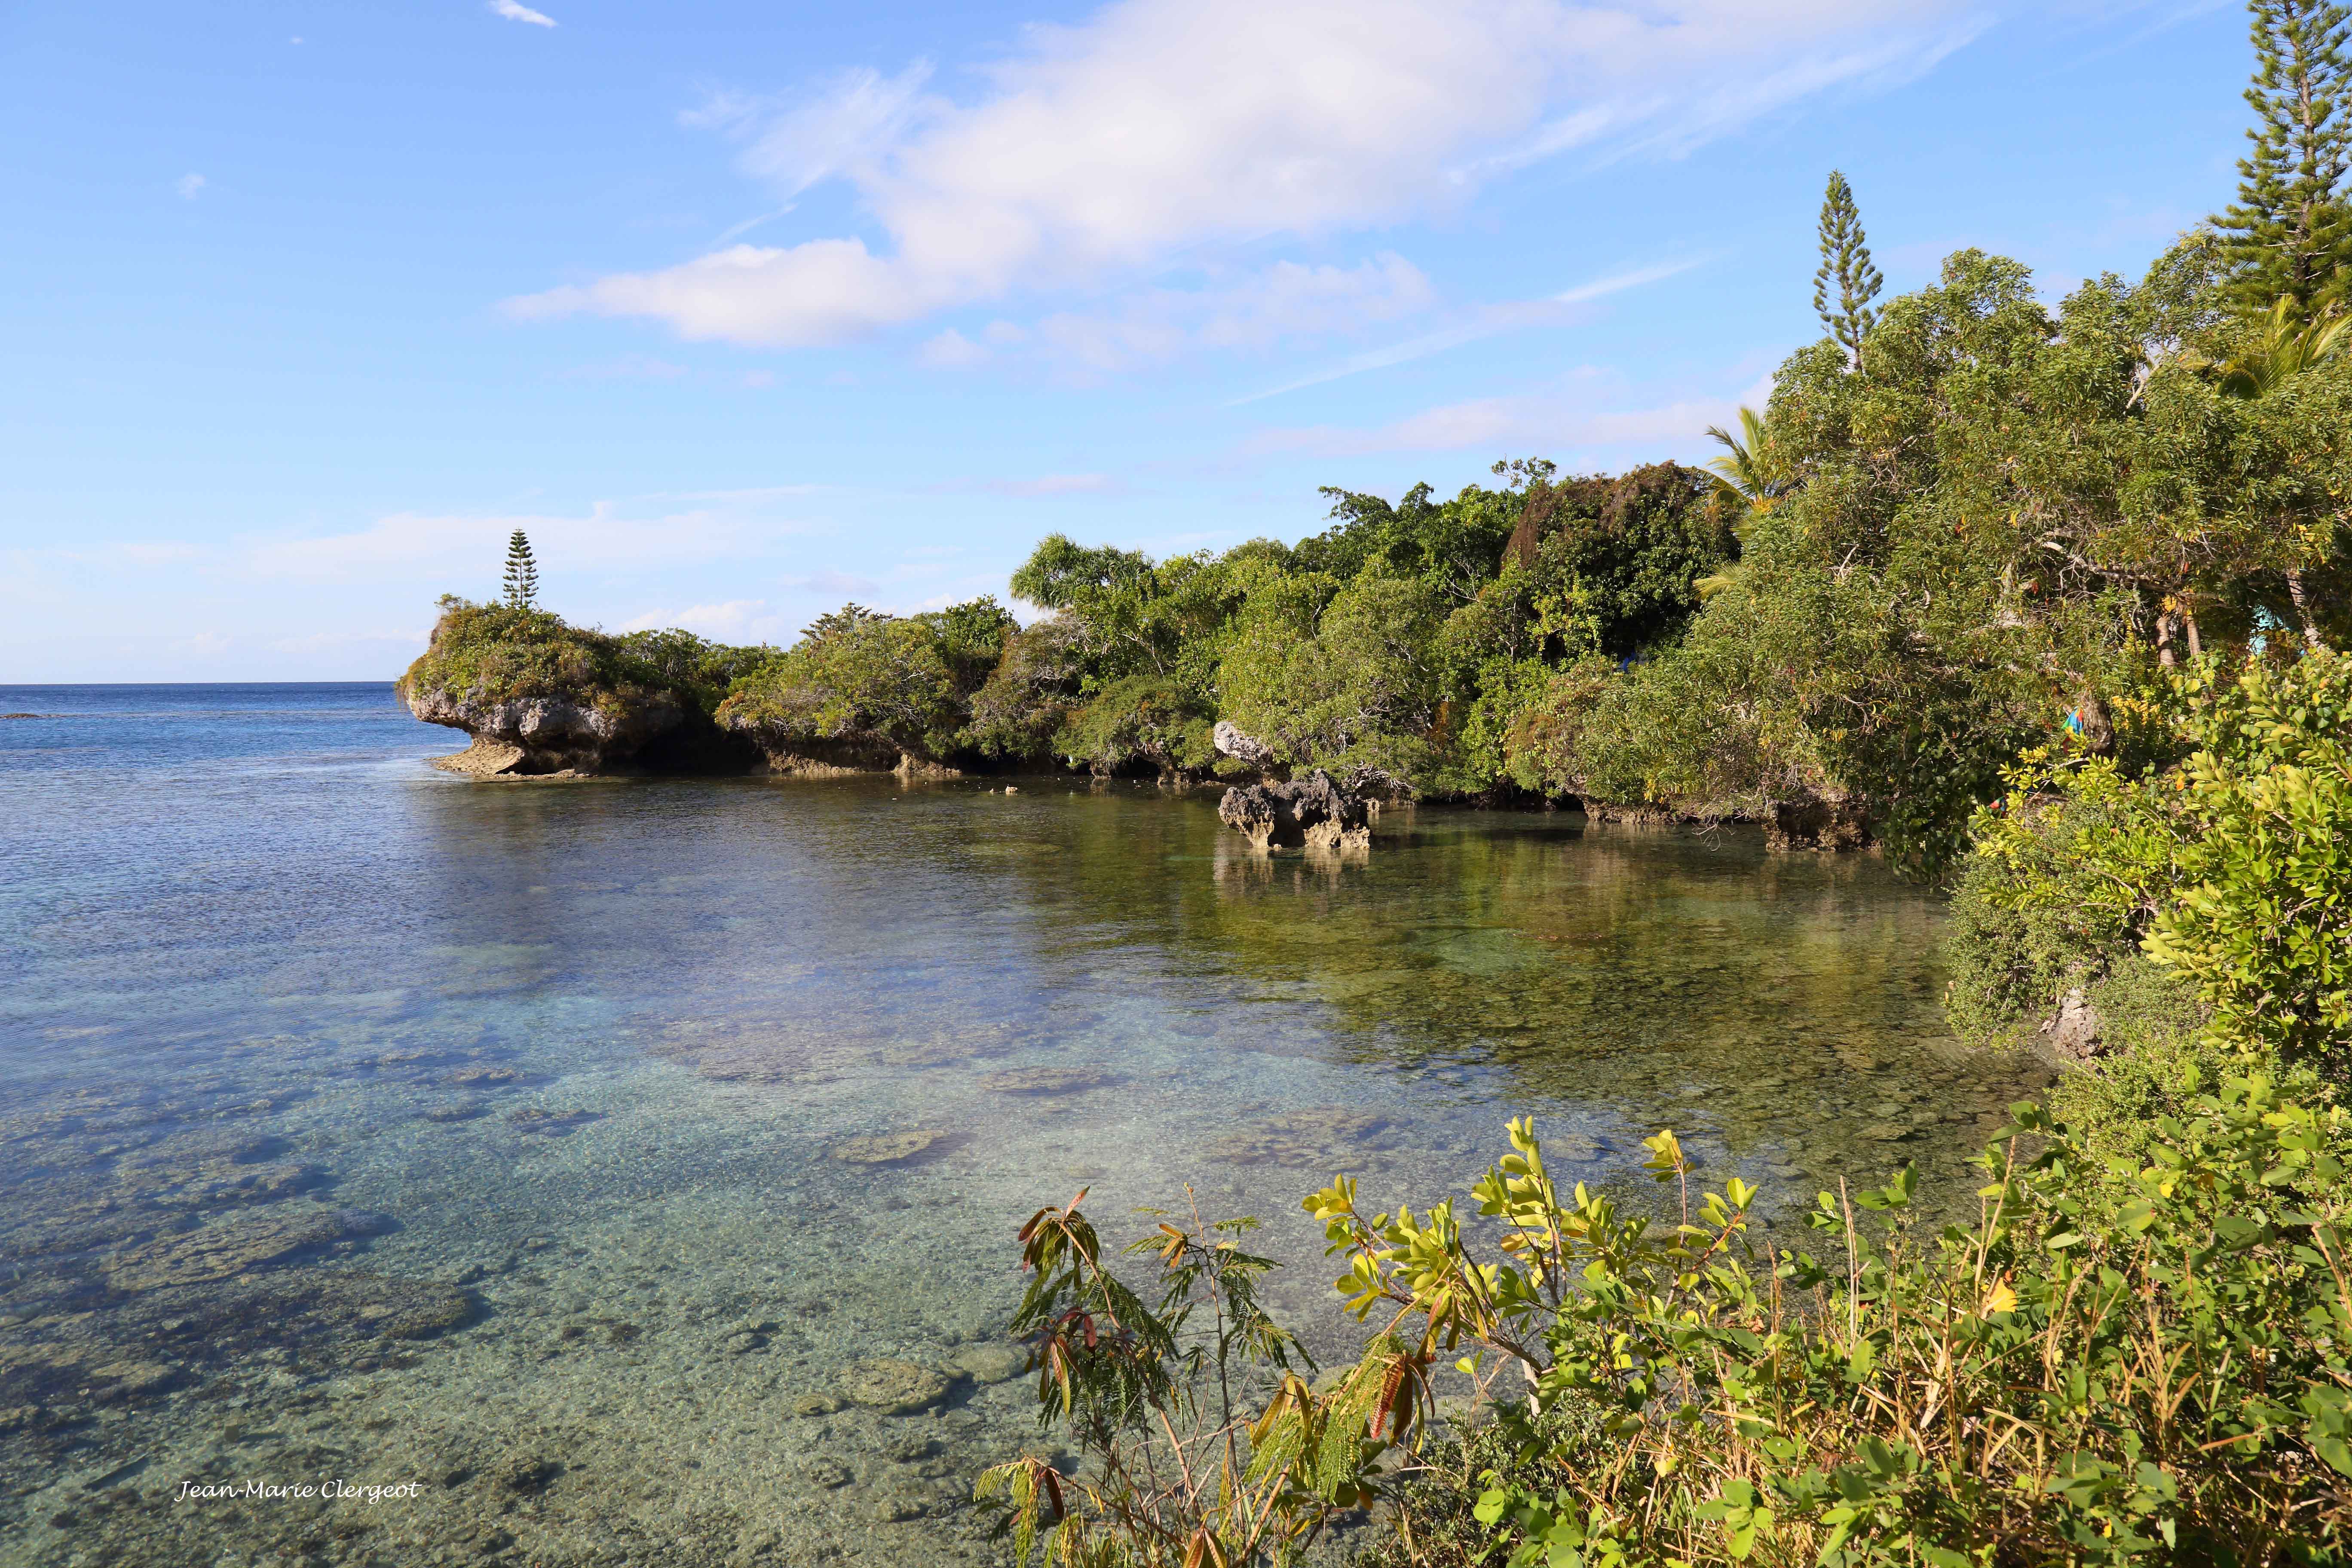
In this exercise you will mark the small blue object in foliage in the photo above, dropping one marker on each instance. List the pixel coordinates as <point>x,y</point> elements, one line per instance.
<point>2074,720</point>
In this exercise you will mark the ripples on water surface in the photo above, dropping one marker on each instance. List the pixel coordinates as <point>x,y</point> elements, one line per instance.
<point>368,1123</point>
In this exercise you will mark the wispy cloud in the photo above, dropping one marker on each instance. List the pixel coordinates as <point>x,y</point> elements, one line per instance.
<point>190,186</point>
<point>749,224</point>
<point>1583,412</point>
<point>1601,288</point>
<point>1157,131</point>
<point>1487,323</point>
<point>1051,485</point>
<point>845,125</point>
<point>514,11</point>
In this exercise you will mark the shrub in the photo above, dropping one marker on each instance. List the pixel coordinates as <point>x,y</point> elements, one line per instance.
<point>1144,721</point>
<point>2167,1383</point>
<point>2159,1379</point>
<point>502,653</point>
<point>2233,867</point>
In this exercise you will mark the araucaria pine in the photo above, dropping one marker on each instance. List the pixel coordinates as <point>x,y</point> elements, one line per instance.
<point>1846,264</point>
<point>522,573</point>
<point>2290,230</point>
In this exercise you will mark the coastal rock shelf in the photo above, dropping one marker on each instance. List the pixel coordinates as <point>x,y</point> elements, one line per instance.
<point>1312,813</point>
<point>547,735</point>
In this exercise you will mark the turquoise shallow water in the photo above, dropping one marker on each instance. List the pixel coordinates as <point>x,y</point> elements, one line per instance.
<point>513,1143</point>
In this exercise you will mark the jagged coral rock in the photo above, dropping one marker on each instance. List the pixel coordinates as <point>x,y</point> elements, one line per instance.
<point>1230,740</point>
<point>1313,812</point>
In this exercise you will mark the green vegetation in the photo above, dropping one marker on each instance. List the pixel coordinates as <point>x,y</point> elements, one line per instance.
<point>2136,1353</point>
<point>861,686</point>
<point>488,654</point>
<point>1845,262</point>
<point>2290,230</point>
<point>2048,599</point>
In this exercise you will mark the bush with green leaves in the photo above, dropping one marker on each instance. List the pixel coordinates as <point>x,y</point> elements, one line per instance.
<point>1145,723</point>
<point>503,653</point>
<point>1200,1442</point>
<point>2117,1363</point>
<point>2160,1379</point>
<point>872,684</point>
<point>2222,852</point>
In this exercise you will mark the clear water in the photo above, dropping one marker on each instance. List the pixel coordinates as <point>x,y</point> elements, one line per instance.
<point>366,1124</point>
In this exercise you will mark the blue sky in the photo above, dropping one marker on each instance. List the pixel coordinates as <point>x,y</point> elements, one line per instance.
<point>745,310</point>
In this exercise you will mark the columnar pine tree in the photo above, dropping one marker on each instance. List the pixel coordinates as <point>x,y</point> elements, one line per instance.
<point>1845,262</point>
<point>2291,228</point>
<point>522,573</point>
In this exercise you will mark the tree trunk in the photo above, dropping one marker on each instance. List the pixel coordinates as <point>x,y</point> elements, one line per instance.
<point>2164,639</point>
<point>2311,638</point>
<point>2196,649</point>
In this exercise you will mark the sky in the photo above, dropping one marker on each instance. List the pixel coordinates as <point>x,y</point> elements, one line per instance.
<point>742,311</point>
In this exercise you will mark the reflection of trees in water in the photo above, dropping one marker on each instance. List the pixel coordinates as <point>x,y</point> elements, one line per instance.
<point>1787,1004</point>
<point>1788,1001</point>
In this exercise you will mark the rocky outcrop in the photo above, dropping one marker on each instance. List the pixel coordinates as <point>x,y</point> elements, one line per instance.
<point>1310,813</point>
<point>1230,741</point>
<point>543,735</point>
<point>1818,822</point>
<point>2074,1032</point>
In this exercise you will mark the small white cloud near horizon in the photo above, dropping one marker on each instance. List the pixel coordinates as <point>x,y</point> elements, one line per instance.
<point>190,186</point>
<point>515,11</point>
<point>732,621</point>
<point>1566,417</point>
<point>1159,132</point>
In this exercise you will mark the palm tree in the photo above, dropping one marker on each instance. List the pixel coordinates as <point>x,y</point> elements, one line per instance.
<point>1747,468</point>
<point>1748,473</point>
<point>2287,348</point>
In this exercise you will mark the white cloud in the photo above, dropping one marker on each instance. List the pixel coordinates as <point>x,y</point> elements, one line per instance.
<point>737,620</point>
<point>846,126</point>
<point>513,11</point>
<point>189,186</point>
<point>951,350</point>
<point>1164,128</point>
<point>1567,417</point>
<point>1245,310</point>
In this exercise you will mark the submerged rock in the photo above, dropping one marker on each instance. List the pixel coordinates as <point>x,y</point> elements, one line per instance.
<point>231,1246</point>
<point>1301,1138</point>
<point>1313,812</point>
<point>552,1124</point>
<point>1044,1080</point>
<point>887,1147</point>
<point>893,1387</point>
<point>992,1363</point>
